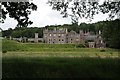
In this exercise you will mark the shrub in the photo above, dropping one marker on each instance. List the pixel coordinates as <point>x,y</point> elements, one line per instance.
<point>4,51</point>
<point>102,50</point>
<point>80,46</point>
<point>111,53</point>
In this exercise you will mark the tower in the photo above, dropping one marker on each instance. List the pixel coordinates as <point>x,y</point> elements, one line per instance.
<point>36,37</point>
<point>81,36</point>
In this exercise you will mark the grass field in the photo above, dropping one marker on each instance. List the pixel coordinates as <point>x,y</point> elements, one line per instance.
<point>36,60</point>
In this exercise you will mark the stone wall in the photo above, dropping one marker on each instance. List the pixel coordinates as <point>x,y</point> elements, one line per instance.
<point>61,36</point>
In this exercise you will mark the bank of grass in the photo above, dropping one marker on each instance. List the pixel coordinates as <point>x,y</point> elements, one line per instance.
<point>10,45</point>
<point>36,60</point>
<point>13,48</point>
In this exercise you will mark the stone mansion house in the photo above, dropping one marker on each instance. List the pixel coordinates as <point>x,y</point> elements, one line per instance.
<point>62,36</point>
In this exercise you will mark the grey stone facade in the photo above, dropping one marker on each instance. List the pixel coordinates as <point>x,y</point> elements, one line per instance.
<point>99,41</point>
<point>25,39</point>
<point>62,36</point>
<point>55,36</point>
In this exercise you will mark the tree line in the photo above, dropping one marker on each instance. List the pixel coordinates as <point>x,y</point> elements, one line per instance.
<point>110,31</point>
<point>30,31</point>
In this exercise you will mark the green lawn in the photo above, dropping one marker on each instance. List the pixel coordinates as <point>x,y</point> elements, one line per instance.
<point>36,60</point>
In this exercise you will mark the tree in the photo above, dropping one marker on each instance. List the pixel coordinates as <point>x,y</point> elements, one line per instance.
<point>85,9</point>
<point>111,33</point>
<point>19,11</point>
<point>7,33</point>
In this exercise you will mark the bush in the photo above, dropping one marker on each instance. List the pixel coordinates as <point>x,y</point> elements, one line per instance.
<point>111,53</point>
<point>80,46</point>
<point>4,51</point>
<point>102,50</point>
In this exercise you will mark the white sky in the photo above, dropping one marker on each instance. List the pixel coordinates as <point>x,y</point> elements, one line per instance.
<point>46,16</point>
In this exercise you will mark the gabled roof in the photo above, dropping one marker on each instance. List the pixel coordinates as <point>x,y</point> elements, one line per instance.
<point>72,32</point>
<point>90,37</point>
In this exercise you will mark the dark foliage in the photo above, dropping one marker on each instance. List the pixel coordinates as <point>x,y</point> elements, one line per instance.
<point>85,8</point>
<point>4,51</point>
<point>111,33</point>
<point>102,50</point>
<point>19,11</point>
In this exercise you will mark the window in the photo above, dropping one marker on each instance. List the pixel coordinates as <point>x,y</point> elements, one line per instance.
<point>54,34</point>
<point>50,34</point>
<point>59,35</point>
<point>77,39</point>
<point>62,34</point>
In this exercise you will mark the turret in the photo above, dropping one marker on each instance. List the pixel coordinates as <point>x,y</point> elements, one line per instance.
<point>81,31</point>
<point>66,30</point>
<point>36,37</point>
<point>99,32</point>
<point>55,29</point>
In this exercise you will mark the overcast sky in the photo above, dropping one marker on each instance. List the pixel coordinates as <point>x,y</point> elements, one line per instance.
<point>46,16</point>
